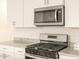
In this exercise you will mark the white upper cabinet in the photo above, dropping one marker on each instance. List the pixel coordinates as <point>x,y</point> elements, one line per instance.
<point>20,13</point>
<point>15,12</point>
<point>72,13</point>
<point>29,6</point>
<point>39,3</point>
<point>54,2</point>
<point>28,13</point>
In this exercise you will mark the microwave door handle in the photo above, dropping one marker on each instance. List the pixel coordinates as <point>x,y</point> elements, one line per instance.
<point>56,15</point>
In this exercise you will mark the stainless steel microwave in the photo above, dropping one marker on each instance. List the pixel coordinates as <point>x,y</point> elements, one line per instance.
<point>53,15</point>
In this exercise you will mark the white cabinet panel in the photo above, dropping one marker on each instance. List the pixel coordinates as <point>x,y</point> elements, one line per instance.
<point>64,57</point>
<point>1,54</point>
<point>67,56</point>
<point>10,52</point>
<point>21,12</point>
<point>19,53</point>
<point>19,56</point>
<point>4,55</point>
<point>55,2</point>
<point>38,3</point>
<point>19,15</point>
<point>29,13</point>
<point>6,48</point>
<point>72,13</point>
<point>15,12</point>
<point>6,52</point>
<point>29,6</point>
<point>10,56</point>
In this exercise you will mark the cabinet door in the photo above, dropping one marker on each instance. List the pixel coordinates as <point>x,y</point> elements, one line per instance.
<point>19,57</point>
<point>19,53</point>
<point>1,54</point>
<point>38,3</point>
<point>10,56</point>
<point>6,56</point>
<point>63,57</point>
<point>54,2</point>
<point>28,13</point>
<point>68,57</point>
<point>29,6</point>
<point>72,13</point>
<point>15,12</point>
<point>6,52</point>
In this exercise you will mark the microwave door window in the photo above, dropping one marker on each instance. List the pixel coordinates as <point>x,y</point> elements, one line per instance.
<point>46,17</point>
<point>38,17</point>
<point>49,16</point>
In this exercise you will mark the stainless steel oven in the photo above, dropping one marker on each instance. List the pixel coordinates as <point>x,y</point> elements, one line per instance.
<point>30,56</point>
<point>53,15</point>
<point>27,57</point>
<point>48,47</point>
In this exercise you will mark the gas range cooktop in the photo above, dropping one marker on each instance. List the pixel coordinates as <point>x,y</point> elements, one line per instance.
<point>49,46</point>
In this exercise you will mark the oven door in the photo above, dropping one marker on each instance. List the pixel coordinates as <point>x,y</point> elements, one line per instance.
<point>27,57</point>
<point>30,56</point>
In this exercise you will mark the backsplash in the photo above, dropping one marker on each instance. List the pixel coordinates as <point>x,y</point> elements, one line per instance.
<point>34,33</point>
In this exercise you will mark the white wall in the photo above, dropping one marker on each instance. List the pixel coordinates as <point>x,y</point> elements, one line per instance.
<point>5,29</point>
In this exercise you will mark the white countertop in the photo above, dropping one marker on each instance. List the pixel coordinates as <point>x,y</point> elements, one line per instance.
<point>70,52</point>
<point>16,44</point>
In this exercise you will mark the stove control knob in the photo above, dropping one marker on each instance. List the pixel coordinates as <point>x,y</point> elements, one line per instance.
<point>36,48</point>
